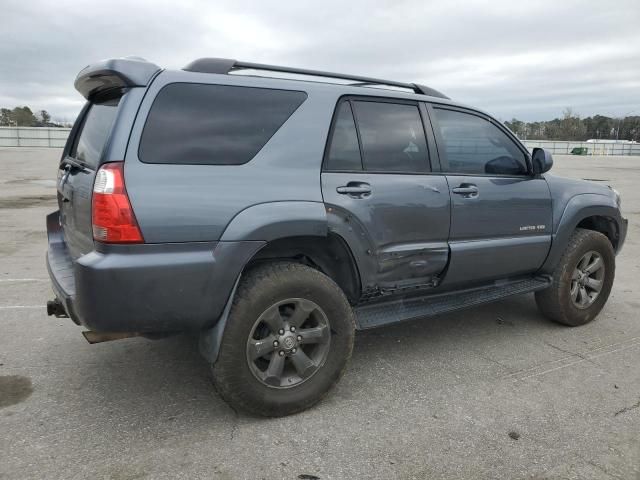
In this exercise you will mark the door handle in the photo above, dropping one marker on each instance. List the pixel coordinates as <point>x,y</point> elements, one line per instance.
<point>467,190</point>
<point>354,189</point>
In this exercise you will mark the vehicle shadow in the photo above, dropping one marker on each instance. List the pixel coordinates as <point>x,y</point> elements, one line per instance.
<point>156,379</point>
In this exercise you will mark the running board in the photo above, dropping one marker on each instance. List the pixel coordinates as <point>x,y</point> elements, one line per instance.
<point>379,314</point>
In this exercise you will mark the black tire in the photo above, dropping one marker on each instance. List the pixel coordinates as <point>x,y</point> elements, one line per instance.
<point>556,302</point>
<point>259,291</point>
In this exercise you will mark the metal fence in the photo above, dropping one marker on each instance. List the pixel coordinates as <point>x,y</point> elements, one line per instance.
<point>33,136</point>
<point>592,148</point>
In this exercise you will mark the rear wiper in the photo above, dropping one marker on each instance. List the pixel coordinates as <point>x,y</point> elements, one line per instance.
<point>73,164</point>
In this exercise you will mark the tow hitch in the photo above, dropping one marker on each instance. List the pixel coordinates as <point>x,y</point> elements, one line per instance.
<point>54,307</point>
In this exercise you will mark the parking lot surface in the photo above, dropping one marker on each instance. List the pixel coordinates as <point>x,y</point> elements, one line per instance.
<point>493,392</point>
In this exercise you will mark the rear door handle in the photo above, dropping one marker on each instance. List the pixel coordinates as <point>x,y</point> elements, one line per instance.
<point>467,190</point>
<point>355,189</point>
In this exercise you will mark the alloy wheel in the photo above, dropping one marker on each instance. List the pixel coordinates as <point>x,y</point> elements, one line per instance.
<point>288,343</point>
<point>587,280</point>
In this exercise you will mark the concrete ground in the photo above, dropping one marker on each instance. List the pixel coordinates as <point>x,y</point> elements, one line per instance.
<point>493,392</point>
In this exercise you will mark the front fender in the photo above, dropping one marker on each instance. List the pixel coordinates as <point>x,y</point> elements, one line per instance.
<point>577,209</point>
<point>274,220</point>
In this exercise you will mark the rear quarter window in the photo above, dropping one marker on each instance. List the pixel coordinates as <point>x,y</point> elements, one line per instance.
<point>201,124</point>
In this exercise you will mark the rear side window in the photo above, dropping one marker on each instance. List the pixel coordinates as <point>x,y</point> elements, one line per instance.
<point>96,127</point>
<point>392,137</point>
<point>344,152</point>
<point>213,124</point>
<point>473,145</point>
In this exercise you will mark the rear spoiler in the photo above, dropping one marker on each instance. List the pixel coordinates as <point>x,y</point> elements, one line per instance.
<point>115,73</point>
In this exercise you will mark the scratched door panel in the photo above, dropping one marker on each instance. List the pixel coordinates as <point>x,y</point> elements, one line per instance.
<point>401,226</point>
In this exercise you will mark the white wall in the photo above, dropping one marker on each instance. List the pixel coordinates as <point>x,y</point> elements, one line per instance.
<point>33,136</point>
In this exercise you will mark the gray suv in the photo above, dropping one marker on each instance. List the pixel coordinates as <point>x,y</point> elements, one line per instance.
<point>274,211</point>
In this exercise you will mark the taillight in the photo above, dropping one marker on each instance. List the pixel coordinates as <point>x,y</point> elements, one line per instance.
<point>112,216</point>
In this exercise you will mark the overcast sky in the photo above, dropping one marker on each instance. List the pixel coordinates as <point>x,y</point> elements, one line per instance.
<point>510,58</point>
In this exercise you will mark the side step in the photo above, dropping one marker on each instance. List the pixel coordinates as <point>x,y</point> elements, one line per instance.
<point>378,314</point>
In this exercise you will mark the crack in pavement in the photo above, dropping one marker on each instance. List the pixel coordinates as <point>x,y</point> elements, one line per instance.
<point>627,409</point>
<point>577,354</point>
<point>586,357</point>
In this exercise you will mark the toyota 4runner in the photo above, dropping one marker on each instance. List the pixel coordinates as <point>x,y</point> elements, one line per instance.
<point>274,211</point>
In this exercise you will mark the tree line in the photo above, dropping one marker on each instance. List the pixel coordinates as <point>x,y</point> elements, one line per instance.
<point>24,117</point>
<point>572,127</point>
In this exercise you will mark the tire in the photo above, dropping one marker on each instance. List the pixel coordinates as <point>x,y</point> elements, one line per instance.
<point>269,296</point>
<point>565,301</point>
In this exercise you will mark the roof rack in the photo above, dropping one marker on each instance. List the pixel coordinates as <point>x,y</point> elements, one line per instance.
<point>226,65</point>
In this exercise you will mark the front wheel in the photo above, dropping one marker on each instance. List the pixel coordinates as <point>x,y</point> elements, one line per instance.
<point>287,341</point>
<point>581,282</point>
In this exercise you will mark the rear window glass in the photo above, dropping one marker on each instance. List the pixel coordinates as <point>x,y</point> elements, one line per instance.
<point>96,127</point>
<point>213,124</point>
<point>392,136</point>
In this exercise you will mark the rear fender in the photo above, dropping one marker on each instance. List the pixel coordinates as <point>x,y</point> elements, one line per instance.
<point>264,222</point>
<point>273,220</point>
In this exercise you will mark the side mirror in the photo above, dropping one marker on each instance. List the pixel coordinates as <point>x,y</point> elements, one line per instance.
<point>542,161</point>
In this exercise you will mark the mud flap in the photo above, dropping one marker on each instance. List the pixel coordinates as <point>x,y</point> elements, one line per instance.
<point>211,339</point>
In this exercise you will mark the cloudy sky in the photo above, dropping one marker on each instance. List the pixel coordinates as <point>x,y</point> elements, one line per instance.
<point>528,60</point>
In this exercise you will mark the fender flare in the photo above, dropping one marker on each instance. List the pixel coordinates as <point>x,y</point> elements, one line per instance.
<point>263,222</point>
<point>578,208</point>
<point>272,220</point>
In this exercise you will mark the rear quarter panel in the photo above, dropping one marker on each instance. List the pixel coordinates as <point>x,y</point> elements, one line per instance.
<point>183,203</point>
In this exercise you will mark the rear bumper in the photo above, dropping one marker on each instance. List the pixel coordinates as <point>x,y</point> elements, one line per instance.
<point>145,288</point>
<point>60,266</point>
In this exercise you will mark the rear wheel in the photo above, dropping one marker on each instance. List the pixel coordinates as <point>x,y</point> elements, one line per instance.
<point>287,341</point>
<point>582,281</point>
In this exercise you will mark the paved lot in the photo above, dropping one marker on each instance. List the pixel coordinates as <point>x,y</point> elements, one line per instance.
<point>495,392</point>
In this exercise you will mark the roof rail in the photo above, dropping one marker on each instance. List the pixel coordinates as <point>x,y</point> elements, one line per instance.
<point>225,66</point>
